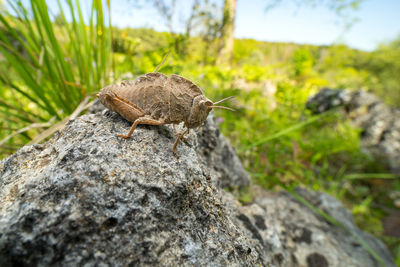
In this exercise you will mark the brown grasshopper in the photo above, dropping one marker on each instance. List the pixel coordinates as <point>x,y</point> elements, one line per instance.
<point>156,99</point>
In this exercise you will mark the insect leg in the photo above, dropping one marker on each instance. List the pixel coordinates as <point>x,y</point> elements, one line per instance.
<point>141,120</point>
<point>180,136</point>
<point>127,109</point>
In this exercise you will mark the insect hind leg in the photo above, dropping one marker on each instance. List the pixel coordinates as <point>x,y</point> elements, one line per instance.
<point>141,120</point>
<point>123,107</point>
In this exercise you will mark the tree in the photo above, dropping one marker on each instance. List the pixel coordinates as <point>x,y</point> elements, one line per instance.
<point>167,10</point>
<point>341,8</point>
<point>227,30</point>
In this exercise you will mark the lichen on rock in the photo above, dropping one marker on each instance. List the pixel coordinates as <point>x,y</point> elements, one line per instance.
<point>86,197</point>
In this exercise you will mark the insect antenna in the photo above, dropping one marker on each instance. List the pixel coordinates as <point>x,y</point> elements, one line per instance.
<point>162,62</point>
<point>222,100</point>
<point>222,107</point>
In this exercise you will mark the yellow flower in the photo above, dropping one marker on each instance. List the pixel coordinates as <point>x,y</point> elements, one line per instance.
<point>124,34</point>
<point>99,32</point>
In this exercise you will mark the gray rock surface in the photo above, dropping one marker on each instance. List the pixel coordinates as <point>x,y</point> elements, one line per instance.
<point>87,198</point>
<point>380,123</point>
<point>220,157</point>
<point>299,237</point>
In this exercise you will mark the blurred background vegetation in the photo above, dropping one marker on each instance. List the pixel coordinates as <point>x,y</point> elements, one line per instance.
<point>51,63</point>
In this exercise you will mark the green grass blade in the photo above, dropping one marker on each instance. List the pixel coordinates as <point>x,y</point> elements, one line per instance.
<point>60,63</point>
<point>357,176</point>
<point>285,131</point>
<point>26,75</point>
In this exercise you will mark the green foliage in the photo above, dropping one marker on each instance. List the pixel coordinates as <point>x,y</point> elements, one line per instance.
<point>47,68</point>
<point>384,65</point>
<point>253,73</point>
<point>303,62</point>
<point>248,51</point>
<point>137,41</point>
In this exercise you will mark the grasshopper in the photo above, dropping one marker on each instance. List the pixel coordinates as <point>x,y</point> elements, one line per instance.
<point>156,99</point>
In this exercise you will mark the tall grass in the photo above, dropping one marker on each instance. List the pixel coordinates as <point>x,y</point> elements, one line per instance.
<point>49,67</point>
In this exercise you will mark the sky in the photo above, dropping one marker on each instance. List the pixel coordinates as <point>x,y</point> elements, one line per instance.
<point>378,21</point>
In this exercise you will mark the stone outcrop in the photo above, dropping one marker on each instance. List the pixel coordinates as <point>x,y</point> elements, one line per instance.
<point>380,123</point>
<point>88,198</point>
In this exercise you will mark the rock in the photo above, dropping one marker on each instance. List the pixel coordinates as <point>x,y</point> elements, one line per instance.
<point>299,237</point>
<point>327,99</point>
<point>220,157</point>
<point>380,124</point>
<point>88,198</point>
